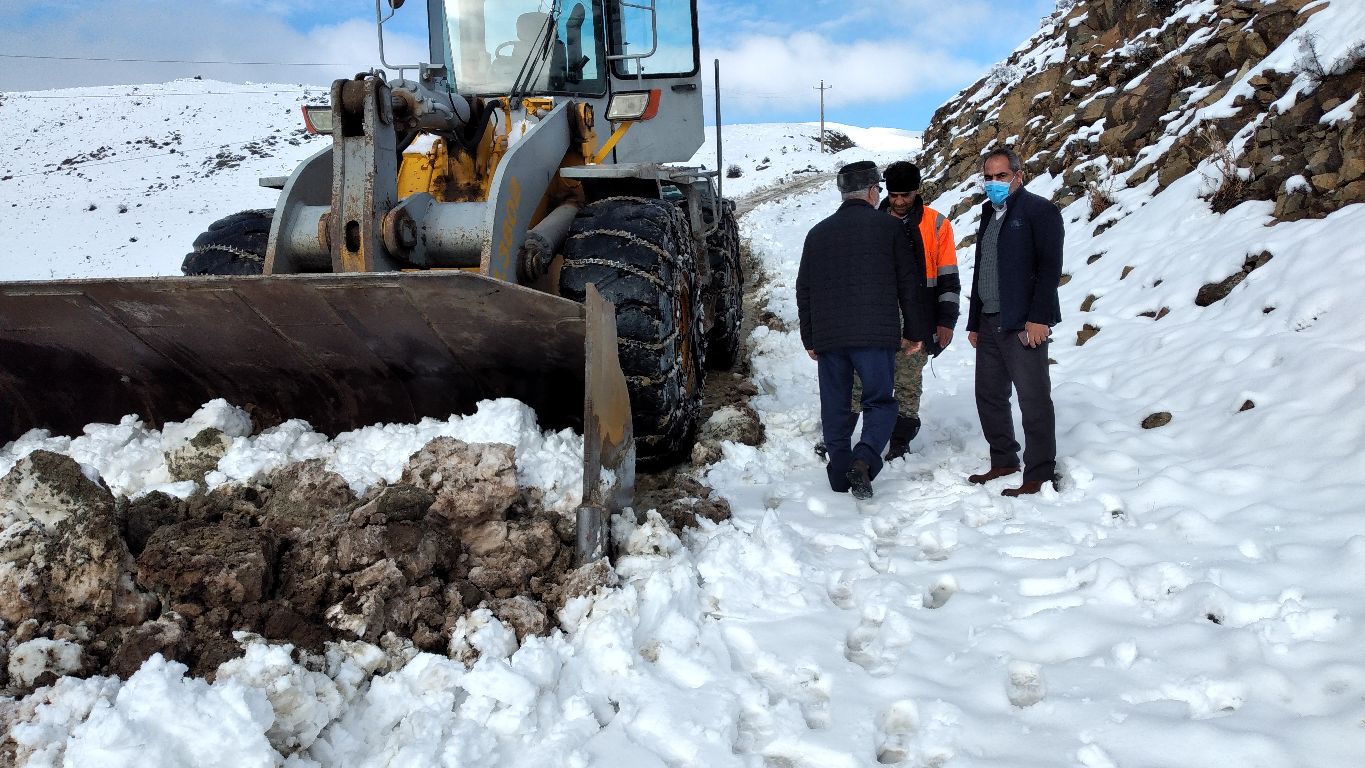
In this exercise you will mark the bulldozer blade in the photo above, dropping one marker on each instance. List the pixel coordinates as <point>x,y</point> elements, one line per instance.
<point>340,351</point>
<point>608,437</point>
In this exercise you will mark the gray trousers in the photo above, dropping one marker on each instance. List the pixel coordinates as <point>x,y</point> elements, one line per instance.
<point>1002,363</point>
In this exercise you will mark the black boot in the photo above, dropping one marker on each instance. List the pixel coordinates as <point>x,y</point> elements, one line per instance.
<point>859,480</point>
<point>905,430</point>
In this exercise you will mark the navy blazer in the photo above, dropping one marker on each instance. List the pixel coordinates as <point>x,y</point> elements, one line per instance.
<point>1029,259</point>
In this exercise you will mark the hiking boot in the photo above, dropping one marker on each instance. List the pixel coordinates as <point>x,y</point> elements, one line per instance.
<point>991,474</point>
<point>858,480</point>
<point>1027,488</point>
<point>905,430</point>
<point>821,451</point>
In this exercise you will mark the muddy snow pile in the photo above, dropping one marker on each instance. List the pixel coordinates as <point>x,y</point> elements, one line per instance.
<point>96,582</point>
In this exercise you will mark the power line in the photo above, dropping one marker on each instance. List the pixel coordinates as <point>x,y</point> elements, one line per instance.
<point>181,61</point>
<point>768,96</point>
<point>24,95</point>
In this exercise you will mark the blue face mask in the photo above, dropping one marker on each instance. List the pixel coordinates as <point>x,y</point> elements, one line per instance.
<point>997,191</point>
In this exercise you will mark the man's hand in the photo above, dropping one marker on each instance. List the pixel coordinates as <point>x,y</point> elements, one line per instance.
<point>1035,334</point>
<point>812,354</point>
<point>911,347</point>
<point>971,338</point>
<point>944,336</point>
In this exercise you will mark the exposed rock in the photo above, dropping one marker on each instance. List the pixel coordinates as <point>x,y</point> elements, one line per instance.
<point>62,553</point>
<point>24,579</point>
<point>522,615</point>
<point>508,558</point>
<point>46,487</point>
<point>735,423</point>
<point>1133,75</point>
<point>166,636</point>
<point>90,571</point>
<point>41,661</point>
<point>1159,419</point>
<point>692,501</point>
<point>473,483</point>
<point>198,456</point>
<point>1211,293</point>
<point>142,516</point>
<point>300,494</point>
<point>215,567</point>
<point>581,582</point>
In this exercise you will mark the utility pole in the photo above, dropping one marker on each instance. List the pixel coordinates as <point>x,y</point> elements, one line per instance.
<point>822,90</point>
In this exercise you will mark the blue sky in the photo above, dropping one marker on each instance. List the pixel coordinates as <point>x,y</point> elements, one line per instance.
<point>886,62</point>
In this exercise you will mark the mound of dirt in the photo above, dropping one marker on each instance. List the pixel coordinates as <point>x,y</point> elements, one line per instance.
<point>91,584</point>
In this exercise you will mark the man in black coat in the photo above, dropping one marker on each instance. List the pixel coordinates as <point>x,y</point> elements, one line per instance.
<point>859,301</point>
<point>1013,308</point>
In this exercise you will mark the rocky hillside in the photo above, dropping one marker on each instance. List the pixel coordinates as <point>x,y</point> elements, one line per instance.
<point>1262,97</point>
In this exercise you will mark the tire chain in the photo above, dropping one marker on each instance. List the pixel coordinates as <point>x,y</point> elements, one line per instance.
<point>665,410</point>
<point>230,242</point>
<point>723,252</point>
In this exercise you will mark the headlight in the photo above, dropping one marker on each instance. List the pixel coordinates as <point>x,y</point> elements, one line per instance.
<point>639,105</point>
<point>317,119</point>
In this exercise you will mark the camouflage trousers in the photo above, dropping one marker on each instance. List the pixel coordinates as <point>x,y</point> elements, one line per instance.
<point>909,384</point>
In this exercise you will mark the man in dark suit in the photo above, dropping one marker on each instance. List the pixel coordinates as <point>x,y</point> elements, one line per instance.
<point>859,301</point>
<point>1013,308</point>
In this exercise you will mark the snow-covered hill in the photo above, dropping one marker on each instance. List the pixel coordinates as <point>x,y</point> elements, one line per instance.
<point>1192,595</point>
<point>117,181</point>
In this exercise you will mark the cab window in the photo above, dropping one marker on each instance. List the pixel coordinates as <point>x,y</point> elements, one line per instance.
<point>654,38</point>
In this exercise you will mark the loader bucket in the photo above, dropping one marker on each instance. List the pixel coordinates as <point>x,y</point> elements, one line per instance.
<point>340,351</point>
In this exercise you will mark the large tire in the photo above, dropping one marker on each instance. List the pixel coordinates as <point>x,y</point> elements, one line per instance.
<point>727,281</point>
<point>234,245</point>
<point>638,253</point>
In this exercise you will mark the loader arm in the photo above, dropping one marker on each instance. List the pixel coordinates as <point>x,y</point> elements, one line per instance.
<point>364,227</point>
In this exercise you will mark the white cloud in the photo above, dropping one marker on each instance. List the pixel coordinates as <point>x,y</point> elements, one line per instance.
<point>185,33</point>
<point>761,72</point>
<point>963,25</point>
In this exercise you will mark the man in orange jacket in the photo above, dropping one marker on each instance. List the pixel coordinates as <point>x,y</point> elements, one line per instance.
<point>942,283</point>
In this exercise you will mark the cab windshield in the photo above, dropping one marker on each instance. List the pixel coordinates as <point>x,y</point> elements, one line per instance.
<point>500,47</point>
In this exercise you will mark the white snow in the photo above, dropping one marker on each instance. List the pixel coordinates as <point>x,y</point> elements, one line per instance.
<point>1192,595</point>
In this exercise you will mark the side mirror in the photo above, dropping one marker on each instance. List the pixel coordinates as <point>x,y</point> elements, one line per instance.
<point>395,4</point>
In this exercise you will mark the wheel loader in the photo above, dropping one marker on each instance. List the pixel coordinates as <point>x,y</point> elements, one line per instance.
<point>505,219</point>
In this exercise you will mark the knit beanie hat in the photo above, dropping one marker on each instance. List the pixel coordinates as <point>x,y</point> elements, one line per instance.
<point>902,176</point>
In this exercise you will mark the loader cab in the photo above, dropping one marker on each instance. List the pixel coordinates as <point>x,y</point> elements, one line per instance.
<point>590,50</point>
<point>522,48</point>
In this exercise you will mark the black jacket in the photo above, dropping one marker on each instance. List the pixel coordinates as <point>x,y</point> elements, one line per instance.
<point>1030,262</point>
<point>858,285</point>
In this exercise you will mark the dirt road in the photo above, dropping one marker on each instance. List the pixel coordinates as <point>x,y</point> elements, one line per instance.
<point>776,191</point>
